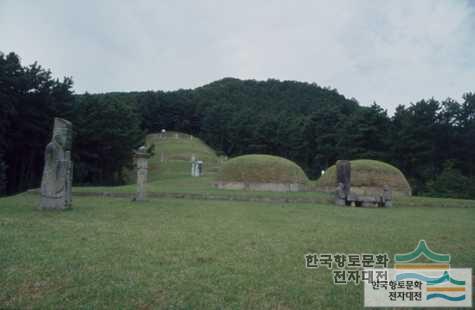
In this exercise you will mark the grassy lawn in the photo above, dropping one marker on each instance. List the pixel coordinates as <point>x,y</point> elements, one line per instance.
<point>197,254</point>
<point>182,254</point>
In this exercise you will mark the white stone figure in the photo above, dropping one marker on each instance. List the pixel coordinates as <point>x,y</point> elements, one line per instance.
<point>56,182</point>
<point>193,165</point>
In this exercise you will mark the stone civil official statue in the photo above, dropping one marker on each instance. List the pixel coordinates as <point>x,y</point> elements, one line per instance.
<point>57,174</point>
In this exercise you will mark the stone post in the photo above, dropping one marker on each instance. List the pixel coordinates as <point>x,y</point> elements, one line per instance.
<point>56,182</point>
<point>193,165</point>
<point>141,158</point>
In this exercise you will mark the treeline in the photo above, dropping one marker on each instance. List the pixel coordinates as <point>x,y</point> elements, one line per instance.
<point>106,127</point>
<point>432,142</point>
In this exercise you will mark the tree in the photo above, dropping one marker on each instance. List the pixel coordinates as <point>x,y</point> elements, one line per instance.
<point>107,129</point>
<point>3,176</point>
<point>466,145</point>
<point>451,183</point>
<point>413,140</point>
<point>29,99</point>
<point>365,134</point>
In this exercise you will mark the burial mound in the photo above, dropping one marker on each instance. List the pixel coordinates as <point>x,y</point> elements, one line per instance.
<point>367,177</point>
<point>261,173</point>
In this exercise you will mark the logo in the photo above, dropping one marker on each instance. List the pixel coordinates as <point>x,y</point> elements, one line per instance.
<point>422,278</point>
<point>407,260</point>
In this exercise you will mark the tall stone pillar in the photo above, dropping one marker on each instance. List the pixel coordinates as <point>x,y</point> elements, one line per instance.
<point>343,181</point>
<point>141,159</point>
<point>56,182</point>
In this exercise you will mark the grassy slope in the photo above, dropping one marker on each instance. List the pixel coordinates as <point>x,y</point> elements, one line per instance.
<point>261,168</point>
<point>202,255</point>
<point>177,156</point>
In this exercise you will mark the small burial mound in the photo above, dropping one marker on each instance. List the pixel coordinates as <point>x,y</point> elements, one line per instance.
<point>367,177</point>
<point>173,152</point>
<point>261,173</point>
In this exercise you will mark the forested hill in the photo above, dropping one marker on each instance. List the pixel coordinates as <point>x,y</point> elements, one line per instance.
<point>239,117</point>
<point>430,141</point>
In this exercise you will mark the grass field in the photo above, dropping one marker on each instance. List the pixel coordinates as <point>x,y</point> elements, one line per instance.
<point>197,254</point>
<point>181,254</point>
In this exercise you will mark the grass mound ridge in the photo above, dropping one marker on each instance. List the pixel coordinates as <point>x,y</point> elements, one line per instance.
<point>172,156</point>
<point>173,151</point>
<point>261,169</point>
<point>368,173</point>
<point>179,146</point>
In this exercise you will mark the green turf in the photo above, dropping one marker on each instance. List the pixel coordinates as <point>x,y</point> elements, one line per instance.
<point>181,254</point>
<point>184,254</point>
<point>261,168</point>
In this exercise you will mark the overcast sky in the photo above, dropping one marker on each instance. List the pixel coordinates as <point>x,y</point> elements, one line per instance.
<point>391,52</point>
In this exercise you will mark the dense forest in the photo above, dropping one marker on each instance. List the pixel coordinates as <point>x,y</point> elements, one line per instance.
<point>432,142</point>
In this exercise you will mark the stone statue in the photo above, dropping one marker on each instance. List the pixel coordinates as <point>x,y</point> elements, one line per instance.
<point>196,167</point>
<point>141,158</point>
<point>57,177</point>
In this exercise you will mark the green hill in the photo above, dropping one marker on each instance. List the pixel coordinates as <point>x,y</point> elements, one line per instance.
<point>172,156</point>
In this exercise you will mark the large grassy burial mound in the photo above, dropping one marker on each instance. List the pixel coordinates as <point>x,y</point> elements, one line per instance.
<point>172,156</point>
<point>179,146</point>
<point>261,172</point>
<point>368,176</point>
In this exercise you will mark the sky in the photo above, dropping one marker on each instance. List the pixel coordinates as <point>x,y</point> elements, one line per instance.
<point>388,52</point>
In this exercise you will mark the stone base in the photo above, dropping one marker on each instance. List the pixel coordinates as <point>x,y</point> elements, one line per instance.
<point>340,202</point>
<point>266,187</point>
<point>363,191</point>
<point>48,203</point>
